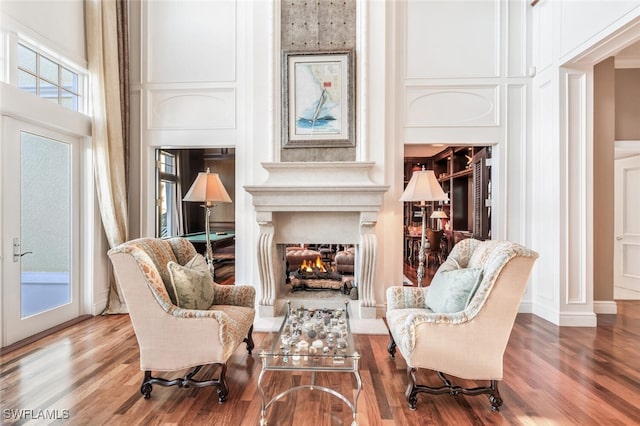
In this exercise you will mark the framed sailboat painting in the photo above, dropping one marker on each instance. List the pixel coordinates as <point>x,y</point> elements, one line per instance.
<point>318,99</point>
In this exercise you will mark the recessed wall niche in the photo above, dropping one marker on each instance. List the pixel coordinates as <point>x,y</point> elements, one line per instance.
<point>321,25</point>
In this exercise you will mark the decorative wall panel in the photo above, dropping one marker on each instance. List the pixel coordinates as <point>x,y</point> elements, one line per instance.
<point>191,41</point>
<point>201,109</point>
<point>308,26</point>
<point>516,41</point>
<point>631,253</point>
<point>574,155</point>
<point>632,205</point>
<point>582,19</point>
<point>452,106</point>
<point>318,25</point>
<point>517,171</point>
<point>543,45</point>
<point>441,47</point>
<point>545,174</point>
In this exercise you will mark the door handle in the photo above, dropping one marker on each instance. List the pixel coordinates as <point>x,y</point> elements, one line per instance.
<point>16,250</point>
<point>618,238</point>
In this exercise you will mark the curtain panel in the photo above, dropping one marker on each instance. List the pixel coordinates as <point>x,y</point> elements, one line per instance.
<point>106,27</point>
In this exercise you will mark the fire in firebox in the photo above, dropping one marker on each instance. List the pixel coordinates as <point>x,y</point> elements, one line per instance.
<point>315,275</point>
<point>316,265</point>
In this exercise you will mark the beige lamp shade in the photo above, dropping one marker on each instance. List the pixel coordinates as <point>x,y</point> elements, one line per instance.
<point>439,214</point>
<point>423,186</point>
<point>207,188</point>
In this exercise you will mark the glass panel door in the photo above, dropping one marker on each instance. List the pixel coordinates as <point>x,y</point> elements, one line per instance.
<point>41,225</point>
<point>45,217</point>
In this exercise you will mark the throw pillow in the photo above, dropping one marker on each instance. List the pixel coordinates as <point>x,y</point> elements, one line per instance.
<point>451,291</point>
<point>192,283</point>
<point>449,264</point>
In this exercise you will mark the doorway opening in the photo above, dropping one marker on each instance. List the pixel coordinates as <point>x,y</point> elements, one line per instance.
<point>464,173</point>
<point>176,171</point>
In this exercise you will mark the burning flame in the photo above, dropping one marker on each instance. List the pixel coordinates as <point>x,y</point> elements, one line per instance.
<point>310,266</point>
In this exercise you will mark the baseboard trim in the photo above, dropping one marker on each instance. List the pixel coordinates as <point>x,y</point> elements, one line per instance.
<point>605,307</point>
<point>525,308</point>
<point>578,319</point>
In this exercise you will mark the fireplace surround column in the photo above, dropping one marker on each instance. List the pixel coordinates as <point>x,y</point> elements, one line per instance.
<point>366,272</point>
<point>266,256</point>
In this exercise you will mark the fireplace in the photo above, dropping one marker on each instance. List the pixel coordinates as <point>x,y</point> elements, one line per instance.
<point>316,203</point>
<point>313,267</point>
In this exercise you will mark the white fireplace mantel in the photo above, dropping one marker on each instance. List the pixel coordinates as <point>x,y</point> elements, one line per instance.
<point>318,186</point>
<point>321,202</point>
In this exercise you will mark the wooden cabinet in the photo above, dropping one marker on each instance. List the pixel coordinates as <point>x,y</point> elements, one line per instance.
<point>481,195</point>
<point>465,175</point>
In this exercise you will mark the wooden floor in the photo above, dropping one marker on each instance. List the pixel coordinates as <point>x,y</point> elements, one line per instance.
<point>553,376</point>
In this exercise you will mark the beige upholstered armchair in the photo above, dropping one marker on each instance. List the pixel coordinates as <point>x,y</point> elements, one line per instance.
<point>181,318</point>
<point>461,323</point>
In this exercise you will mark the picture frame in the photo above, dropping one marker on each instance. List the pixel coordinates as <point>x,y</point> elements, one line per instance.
<point>318,99</point>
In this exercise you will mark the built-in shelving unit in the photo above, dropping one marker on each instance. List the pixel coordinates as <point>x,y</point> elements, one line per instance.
<point>465,175</point>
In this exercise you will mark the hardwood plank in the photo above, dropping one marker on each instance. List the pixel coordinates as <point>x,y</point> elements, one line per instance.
<point>552,376</point>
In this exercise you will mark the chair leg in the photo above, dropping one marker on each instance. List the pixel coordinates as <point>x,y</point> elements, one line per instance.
<point>146,387</point>
<point>494,396</point>
<point>391,347</point>
<point>184,382</point>
<point>414,389</point>
<point>249,340</point>
<point>411,394</point>
<point>223,389</point>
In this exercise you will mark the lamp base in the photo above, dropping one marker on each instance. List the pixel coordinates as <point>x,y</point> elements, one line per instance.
<point>209,251</point>
<point>212,269</point>
<point>421,254</point>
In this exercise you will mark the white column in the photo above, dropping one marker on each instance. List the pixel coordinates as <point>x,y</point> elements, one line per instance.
<point>266,260</point>
<point>366,266</point>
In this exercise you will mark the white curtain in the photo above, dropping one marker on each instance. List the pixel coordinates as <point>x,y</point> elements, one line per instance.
<point>107,49</point>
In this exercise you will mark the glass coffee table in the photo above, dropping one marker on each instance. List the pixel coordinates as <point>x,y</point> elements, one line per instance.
<point>313,340</point>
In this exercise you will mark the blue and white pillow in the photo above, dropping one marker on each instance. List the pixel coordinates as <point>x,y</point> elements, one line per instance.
<point>451,291</point>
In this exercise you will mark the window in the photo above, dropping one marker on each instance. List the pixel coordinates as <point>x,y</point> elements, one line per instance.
<point>47,78</point>
<point>169,198</point>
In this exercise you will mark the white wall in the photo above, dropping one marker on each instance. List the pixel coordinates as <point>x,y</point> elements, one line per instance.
<point>204,79</point>
<point>55,24</point>
<point>57,28</point>
<point>206,74</point>
<point>463,79</point>
<point>569,37</point>
<point>408,91</point>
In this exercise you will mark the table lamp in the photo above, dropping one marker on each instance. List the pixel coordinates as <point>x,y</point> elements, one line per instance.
<point>423,187</point>
<point>439,214</point>
<point>208,189</point>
